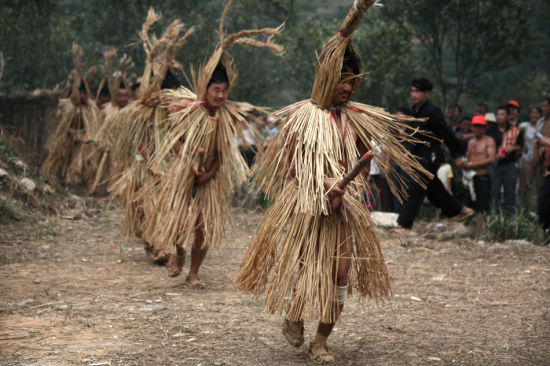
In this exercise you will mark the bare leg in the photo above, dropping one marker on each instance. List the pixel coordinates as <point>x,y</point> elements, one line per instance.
<point>175,263</point>
<point>318,349</point>
<point>198,253</point>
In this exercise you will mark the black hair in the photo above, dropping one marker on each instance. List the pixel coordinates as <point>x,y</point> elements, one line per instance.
<point>505,107</point>
<point>351,61</point>
<point>537,108</point>
<point>422,84</point>
<point>122,85</point>
<point>82,87</point>
<point>485,106</point>
<point>456,106</point>
<point>405,110</point>
<point>170,81</point>
<point>219,76</point>
<point>104,92</point>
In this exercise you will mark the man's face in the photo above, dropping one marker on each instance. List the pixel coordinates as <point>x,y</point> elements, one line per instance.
<point>502,116</point>
<point>513,113</point>
<point>216,94</point>
<point>102,100</point>
<point>464,126</point>
<point>534,115</point>
<point>453,113</point>
<point>342,92</point>
<point>478,130</point>
<point>479,110</point>
<point>83,97</point>
<point>545,106</point>
<point>122,97</point>
<point>419,97</point>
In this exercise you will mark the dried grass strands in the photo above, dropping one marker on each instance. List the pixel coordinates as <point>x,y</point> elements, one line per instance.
<point>67,158</point>
<point>293,254</point>
<point>109,57</point>
<point>138,136</point>
<point>175,212</point>
<point>160,53</point>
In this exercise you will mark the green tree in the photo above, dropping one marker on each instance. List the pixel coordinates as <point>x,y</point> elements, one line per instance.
<point>475,36</point>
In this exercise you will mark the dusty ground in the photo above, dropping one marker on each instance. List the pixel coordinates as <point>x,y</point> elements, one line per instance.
<point>75,292</point>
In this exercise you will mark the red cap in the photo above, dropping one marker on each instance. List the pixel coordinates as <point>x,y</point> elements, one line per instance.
<point>513,103</point>
<point>479,121</point>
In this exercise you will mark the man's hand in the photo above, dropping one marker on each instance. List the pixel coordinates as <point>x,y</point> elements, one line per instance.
<point>335,193</point>
<point>459,162</point>
<point>201,176</point>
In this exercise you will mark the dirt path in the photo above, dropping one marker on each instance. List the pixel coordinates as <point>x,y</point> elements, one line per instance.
<point>75,292</point>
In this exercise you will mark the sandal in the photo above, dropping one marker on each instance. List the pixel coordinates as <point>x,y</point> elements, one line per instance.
<point>174,269</point>
<point>294,332</point>
<point>320,353</point>
<point>160,257</point>
<point>194,282</point>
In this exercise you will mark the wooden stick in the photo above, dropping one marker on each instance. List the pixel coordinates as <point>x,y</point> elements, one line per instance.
<point>361,164</point>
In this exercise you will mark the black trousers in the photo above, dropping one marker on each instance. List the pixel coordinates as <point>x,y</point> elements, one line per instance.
<point>482,186</point>
<point>543,207</point>
<point>437,195</point>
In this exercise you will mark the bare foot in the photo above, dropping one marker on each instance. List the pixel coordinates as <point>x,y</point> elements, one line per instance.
<point>175,264</point>
<point>195,282</point>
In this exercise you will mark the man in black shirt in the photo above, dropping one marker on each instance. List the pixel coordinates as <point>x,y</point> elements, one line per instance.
<point>430,153</point>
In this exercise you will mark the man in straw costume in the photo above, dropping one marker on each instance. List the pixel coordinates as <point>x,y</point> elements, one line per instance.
<point>110,113</point>
<point>139,132</point>
<point>304,244</point>
<point>70,144</point>
<point>190,195</point>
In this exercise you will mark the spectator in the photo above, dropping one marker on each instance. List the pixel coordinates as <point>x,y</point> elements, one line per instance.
<point>464,133</point>
<point>481,156</point>
<point>430,153</point>
<point>248,147</point>
<point>543,207</point>
<point>543,125</point>
<point>509,142</point>
<point>527,161</point>
<point>513,112</point>
<point>481,109</point>
<point>453,114</point>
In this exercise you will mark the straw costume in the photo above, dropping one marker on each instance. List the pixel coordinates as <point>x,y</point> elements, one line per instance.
<point>119,91</point>
<point>70,144</point>
<point>139,133</point>
<point>301,242</point>
<point>183,207</point>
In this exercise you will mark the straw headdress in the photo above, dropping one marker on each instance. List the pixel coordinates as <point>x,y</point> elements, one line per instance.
<point>160,53</point>
<point>109,57</point>
<point>120,77</point>
<point>221,55</point>
<point>77,77</point>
